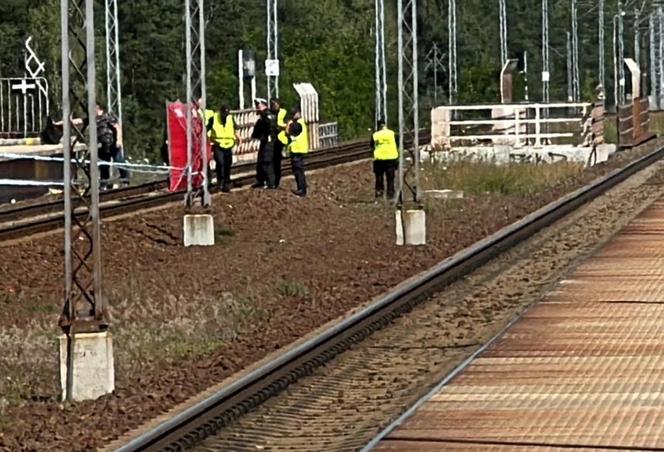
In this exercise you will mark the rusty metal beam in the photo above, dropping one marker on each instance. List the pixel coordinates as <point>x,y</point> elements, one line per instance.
<point>84,309</point>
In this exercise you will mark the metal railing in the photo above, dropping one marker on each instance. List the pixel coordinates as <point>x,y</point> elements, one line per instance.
<point>514,125</point>
<point>328,134</point>
<point>634,123</point>
<point>24,105</point>
<point>325,135</point>
<point>244,122</point>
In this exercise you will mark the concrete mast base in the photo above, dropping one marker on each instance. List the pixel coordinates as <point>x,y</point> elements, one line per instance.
<point>411,227</point>
<point>92,371</point>
<point>198,230</point>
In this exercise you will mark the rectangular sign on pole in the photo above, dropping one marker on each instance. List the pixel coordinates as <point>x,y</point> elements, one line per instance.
<point>272,68</point>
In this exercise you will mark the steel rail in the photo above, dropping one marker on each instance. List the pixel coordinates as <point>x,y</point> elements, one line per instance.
<point>234,400</point>
<point>22,211</point>
<point>26,220</point>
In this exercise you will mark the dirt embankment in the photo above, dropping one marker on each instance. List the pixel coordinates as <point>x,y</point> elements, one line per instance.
<point>183,319</point>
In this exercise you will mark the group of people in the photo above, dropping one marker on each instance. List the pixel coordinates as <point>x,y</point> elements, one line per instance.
<point>279,136</point>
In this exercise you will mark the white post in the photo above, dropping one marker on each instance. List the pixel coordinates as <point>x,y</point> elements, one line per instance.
<point>660,48</point>
<point>538,127</point>
<point>240,77</point>
<point>517,141</point>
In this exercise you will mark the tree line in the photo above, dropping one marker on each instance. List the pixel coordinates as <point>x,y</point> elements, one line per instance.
<point>329,43</point>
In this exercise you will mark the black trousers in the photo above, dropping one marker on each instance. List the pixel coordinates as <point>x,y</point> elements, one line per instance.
<point>108,152</point>
<point>297,165</point>
<point>265,166</point>
<point>276,160</point>
<point>385,169</point>
<point>223,157</point>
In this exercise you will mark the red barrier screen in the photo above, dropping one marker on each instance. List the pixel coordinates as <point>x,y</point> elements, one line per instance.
<point>176,115</point>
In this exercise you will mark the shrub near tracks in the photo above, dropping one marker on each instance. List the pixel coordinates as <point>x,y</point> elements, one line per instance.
<point>185,319</point>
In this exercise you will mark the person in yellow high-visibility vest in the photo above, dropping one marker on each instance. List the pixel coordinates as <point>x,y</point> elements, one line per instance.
<point>298,134</point>
<point>224,137</point>
<point>207,114</point>
<point>282,138</point>
<point>386,159</point>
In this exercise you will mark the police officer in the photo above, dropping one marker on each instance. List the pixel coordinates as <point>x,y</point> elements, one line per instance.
<point>298,148</point>
<point>109,140</point>
<point>386,159</point>
<point>282,138</point>
<point>224,137</point>
<point>266,131</point>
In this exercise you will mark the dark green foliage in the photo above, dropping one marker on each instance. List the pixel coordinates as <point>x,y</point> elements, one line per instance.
<point>326,42</point>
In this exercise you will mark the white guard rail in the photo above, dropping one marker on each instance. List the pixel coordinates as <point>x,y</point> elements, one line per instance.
<point>244,122</point>
<point>515,125</point>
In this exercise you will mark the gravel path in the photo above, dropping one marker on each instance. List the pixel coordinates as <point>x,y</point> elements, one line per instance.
<point>186,319</point>
<point>344,405</point>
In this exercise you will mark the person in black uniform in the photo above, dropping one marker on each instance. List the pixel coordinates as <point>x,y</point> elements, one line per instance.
<point>266,131</point>
<point>282,139</point>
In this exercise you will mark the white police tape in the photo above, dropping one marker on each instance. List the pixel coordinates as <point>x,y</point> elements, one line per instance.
<point>136,167</point>
<point>52,183</point>
<point>32,183</point>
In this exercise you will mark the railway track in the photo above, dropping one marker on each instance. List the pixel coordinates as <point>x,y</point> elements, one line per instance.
<point>33,218</point>
<point>223,412</point>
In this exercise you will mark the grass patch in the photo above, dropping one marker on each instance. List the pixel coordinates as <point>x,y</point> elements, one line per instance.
<point>221,232</point>
<point>7,299</point>
<point>147,331</point>
<point>480,178</point>
<point>657,122</point>
<point>47,309</point>
<point>28,362</point>
<point>611,128</point>
<point>292,289</point>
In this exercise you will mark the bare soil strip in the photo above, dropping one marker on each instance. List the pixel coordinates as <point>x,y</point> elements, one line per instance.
<point>187,319</point>
<point>345,404</point>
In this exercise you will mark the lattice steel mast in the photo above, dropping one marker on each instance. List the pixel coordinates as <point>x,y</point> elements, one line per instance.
<point>196,94</point>
<point>621,54</point>
<point>453,87</point>
<point>409,168</point>
<point>434,62</point>
<point>272,46</point>
<point>502,6</point>
<point>660,48</point>
<point>576,83</point>
<point>653,58</point>
<point>546,75</point>
<point>637,36</point>
<point>600,45</point>
<point>113,87</point>
<point>380,62</point>
<point>84,308</point>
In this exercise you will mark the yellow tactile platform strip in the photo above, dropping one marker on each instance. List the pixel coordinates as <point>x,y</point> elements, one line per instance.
<point>582,369</point>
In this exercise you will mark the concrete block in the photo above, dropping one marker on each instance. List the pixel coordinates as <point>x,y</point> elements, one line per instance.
<point>412,224</point>
<point>440,127</point>
<point>93,373</point>
<point>198,230</point>
<point>444,194</point>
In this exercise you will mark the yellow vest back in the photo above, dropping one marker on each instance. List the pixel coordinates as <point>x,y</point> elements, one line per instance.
<point>385,145</point>
<point>300,143</point>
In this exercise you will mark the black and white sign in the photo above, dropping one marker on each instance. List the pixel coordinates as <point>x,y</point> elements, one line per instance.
<point>272,68</point>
